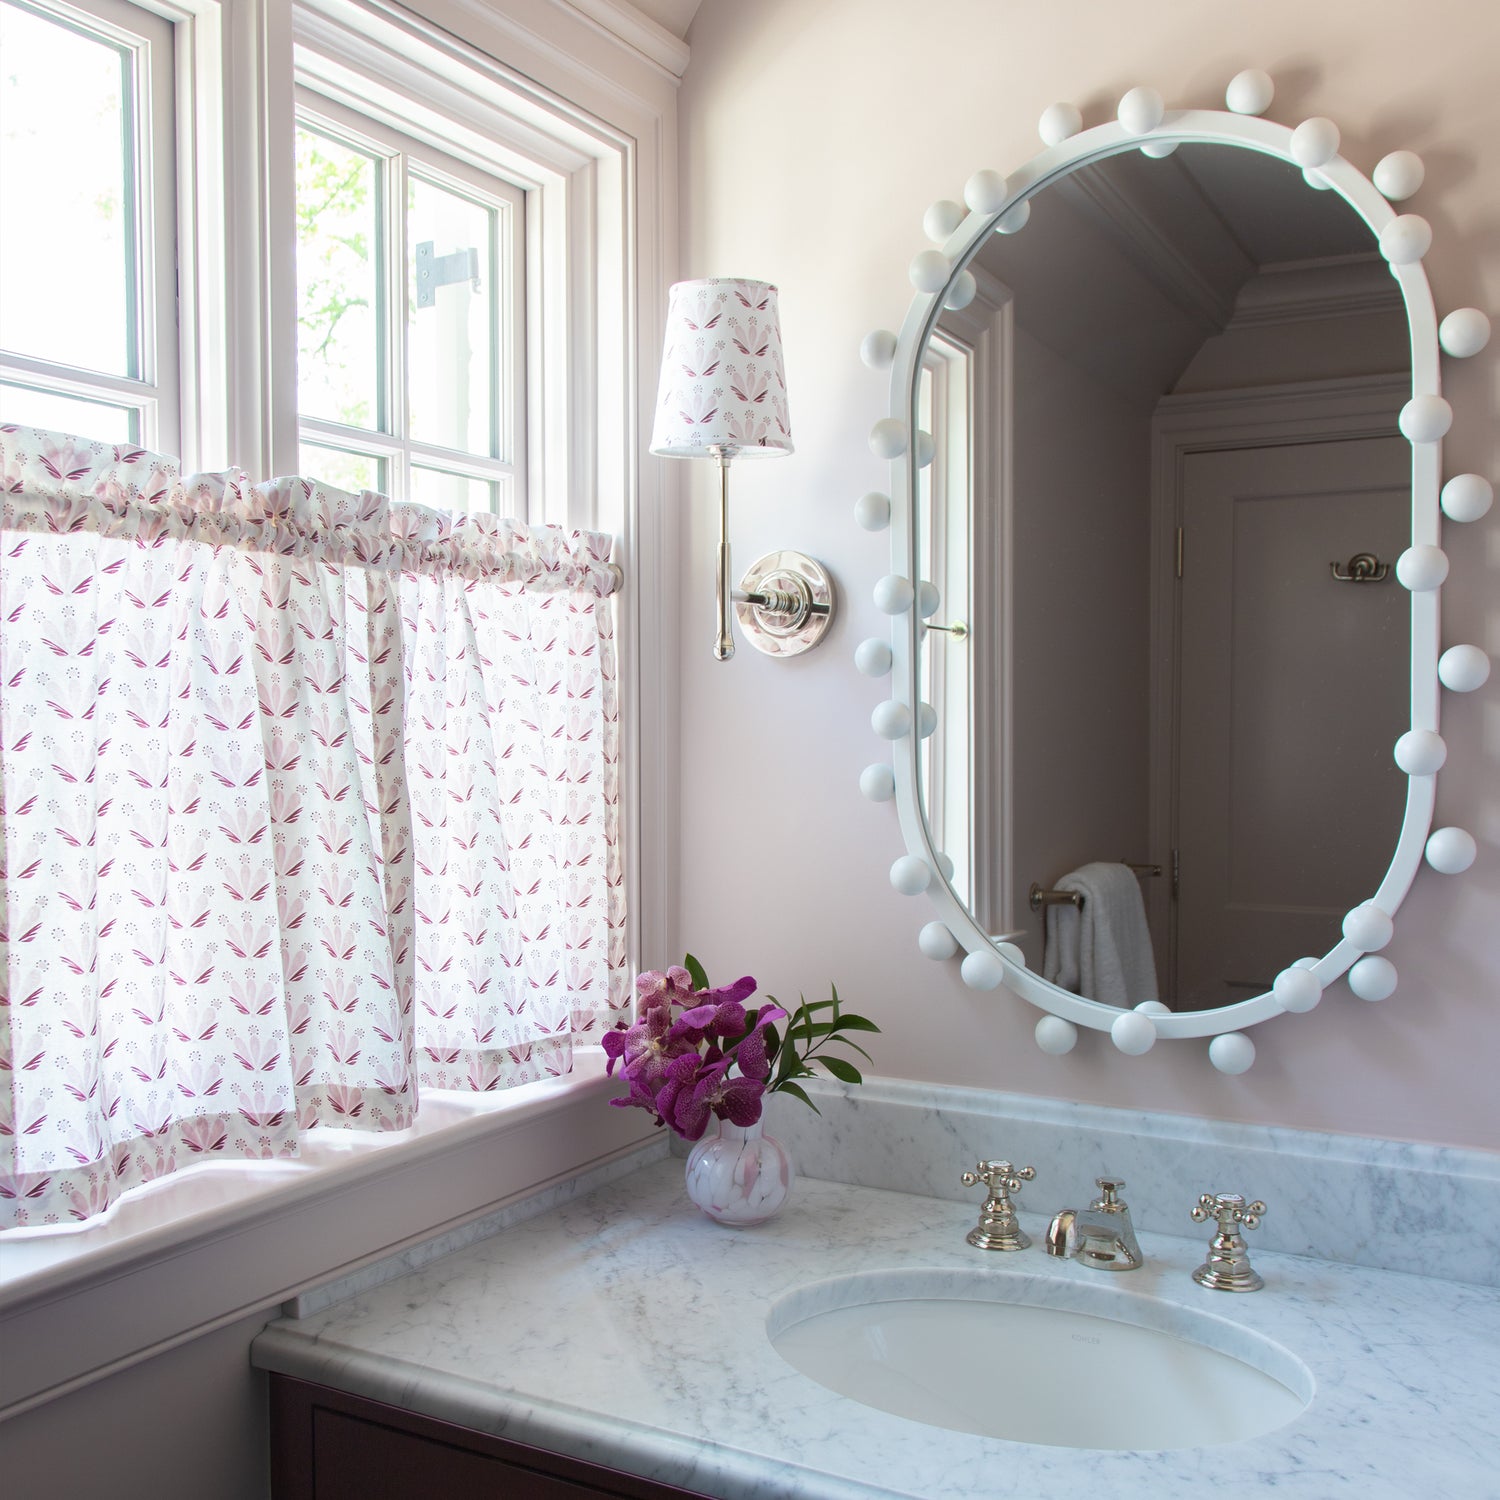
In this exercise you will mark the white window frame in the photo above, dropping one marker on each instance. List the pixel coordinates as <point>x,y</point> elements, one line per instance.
<point>587,95</point>
<point>472,109</point>
<point>404,155</point>
<point>151,394</point>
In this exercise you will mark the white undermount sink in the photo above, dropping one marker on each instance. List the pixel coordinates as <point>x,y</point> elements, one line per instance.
<point>1039,1361</point>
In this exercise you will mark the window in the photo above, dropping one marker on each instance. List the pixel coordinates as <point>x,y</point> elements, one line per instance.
<point>88,322</point>
<point>549,169</point>
<point>410,305</point>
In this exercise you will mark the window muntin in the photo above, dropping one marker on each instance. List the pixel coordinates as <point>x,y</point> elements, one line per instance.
<point>410,315</point>
<point>88,319</point>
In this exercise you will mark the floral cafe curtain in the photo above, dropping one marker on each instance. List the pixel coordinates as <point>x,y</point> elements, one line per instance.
<point>310,802</point>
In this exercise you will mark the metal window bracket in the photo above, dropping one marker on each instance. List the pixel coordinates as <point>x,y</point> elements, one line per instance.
<point>434,271</point>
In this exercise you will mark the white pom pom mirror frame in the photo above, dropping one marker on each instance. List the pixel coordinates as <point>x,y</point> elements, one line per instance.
<point>1000,204</point>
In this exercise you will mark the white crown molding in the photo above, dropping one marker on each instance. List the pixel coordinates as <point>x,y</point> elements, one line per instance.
<point>1305,291</point>
<point>1156,252</point>
<point>623,21</point>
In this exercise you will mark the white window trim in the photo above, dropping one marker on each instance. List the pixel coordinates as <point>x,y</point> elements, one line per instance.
<point>614,200</point>
<point>153,391</point>
<point>482,181</point>
<point>475,111</point>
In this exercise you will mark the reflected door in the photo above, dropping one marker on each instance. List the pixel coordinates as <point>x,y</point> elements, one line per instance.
<point>1292,690</point>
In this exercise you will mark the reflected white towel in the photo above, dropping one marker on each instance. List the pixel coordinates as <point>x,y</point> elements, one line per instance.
<point>1103,951</point>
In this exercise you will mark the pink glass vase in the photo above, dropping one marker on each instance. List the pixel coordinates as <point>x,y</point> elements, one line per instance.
<point>739,1175</point>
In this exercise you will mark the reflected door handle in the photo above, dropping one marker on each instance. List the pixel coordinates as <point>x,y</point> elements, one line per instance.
<point>1363,567</point>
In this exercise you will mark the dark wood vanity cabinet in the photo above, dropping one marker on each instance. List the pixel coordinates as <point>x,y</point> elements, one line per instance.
<point>327,1445</point>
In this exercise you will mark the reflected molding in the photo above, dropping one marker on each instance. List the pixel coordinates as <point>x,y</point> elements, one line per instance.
<point>1000,204</point>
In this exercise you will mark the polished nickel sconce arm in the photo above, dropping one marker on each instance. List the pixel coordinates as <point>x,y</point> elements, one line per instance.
<point>784,602</point>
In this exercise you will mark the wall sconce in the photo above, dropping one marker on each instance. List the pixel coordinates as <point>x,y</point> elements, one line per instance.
<point>723,396</point>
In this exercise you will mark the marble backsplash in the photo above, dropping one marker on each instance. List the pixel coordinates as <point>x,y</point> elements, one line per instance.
<point>1395,1205</point>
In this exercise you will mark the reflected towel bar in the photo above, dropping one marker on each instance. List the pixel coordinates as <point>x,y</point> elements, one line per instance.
<point>1038,896</point>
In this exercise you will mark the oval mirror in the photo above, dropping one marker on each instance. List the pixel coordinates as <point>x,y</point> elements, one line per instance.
<point>1170,526</point>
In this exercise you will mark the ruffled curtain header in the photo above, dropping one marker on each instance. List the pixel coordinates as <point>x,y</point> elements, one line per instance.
<point>58,485</point>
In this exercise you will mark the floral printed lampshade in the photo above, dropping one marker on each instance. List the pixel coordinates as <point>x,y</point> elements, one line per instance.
<point>722,381</point>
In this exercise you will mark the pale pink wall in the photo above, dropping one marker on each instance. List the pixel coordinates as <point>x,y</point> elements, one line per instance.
<point>813,137</point>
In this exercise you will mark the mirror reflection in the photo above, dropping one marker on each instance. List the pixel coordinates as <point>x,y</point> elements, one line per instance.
<point>1171,657</point>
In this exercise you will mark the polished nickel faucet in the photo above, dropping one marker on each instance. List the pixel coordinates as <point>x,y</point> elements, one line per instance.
<point>1099,1235</point>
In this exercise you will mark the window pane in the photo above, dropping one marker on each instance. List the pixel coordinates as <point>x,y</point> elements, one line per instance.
<point>340,351</point>
<point>67,115</point>
<point>445,491</point>
<point>451,323</point>
<point>343,470</point>
<point>29,407</point>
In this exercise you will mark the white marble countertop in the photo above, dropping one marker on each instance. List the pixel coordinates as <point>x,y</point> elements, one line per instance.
<point>626,1329</point>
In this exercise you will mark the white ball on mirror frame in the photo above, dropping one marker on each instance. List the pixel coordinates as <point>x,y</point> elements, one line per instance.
<point>893,594</point>
<point>1013,220</point>
<point>911,875</point>
<point>1305,963</point>
<point>1464,332</point>
<point>891,719</point>
<point>935,941</point>
<point>1424,419</point>
<point>1058,122</point>
<point>962,292</point>
<point>1141,110</point>
<point>1152,1008</point>
<point>874,657</point>
<point>929,600</point>
<point>1369,928</point>
<point>1133,1034</point>
<point>926,448</point>
<point>888,438</point>
<point>1467,497</point>
<point>1461,669</point>
<point>1421,752</point>
<point>944,864</point>
<point>1373,978</point>
<point>927,721</point>
<point>982,971</point>
<point>878,783</point>
<point>1398,175</point>
<point>1315,142</point>
<point>878,349</point>
<point>1450,851</point>
<point>1249,92</point>
<point>941,219</point>
<point>1296,990</point>
<point>1406,239</point>
<point>873,511</point>
<point>929,270</point>
<point>985,192</point>
<point>1056,1036</point>
<point>1233,1052</point>
<point>1422,569</point>
<point>1316,180</point>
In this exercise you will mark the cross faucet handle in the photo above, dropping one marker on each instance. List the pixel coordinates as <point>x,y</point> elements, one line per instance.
<point>1000,1177</point>
<point>998,1228</point>
<point>1228,1268</point>
<point>1229,1209</point>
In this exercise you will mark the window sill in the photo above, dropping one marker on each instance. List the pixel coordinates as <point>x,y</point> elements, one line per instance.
<point>199,1249</point>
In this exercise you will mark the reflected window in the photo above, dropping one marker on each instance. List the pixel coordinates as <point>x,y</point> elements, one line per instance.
<point>944,500</point>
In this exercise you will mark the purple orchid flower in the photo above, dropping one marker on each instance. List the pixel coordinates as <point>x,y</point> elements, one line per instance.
<point>675,987</point>
<point>694,1094</point>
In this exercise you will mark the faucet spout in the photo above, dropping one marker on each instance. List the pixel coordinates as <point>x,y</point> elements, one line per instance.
<point>1060,1239</point>
<point>1101,1235</point>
